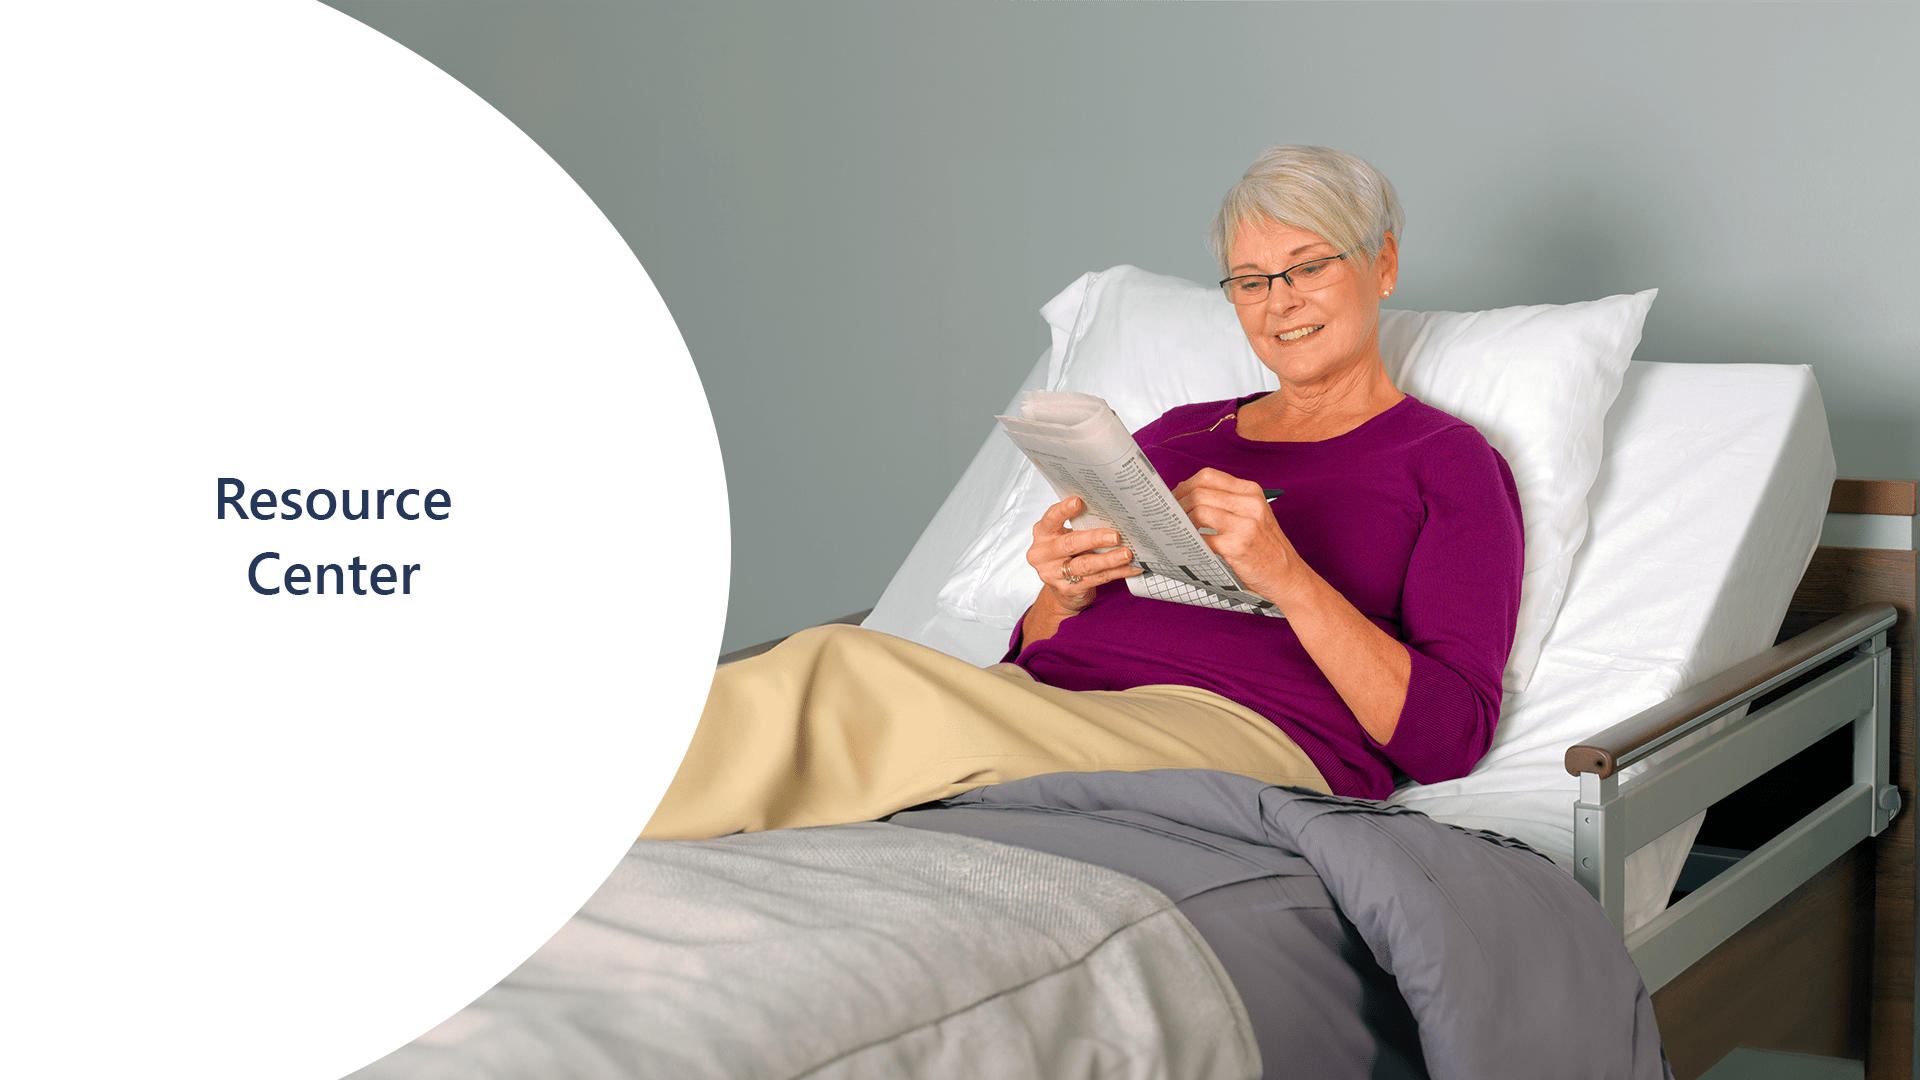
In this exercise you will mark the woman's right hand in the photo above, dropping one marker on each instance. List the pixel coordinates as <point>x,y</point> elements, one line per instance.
<point>1069,567</point>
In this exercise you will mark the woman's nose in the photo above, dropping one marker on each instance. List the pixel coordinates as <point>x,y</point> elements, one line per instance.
<point>1281,297</point>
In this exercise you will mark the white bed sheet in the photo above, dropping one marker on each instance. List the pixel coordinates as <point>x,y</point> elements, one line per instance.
<point>1703,519</point>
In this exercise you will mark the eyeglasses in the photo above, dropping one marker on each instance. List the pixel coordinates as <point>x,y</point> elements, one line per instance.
<point>1310,276</point>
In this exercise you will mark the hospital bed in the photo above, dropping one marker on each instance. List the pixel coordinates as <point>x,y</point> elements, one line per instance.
<point>1646,695</point>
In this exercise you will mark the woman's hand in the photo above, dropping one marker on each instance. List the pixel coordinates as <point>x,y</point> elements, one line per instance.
<point>1069,567</point>
<point>1368,669</point>
<point>1247,538</point>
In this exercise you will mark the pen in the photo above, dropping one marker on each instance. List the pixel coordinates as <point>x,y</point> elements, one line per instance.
<point>1272,493</point>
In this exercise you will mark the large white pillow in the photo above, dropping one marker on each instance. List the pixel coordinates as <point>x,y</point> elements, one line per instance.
<point>1536,381</point>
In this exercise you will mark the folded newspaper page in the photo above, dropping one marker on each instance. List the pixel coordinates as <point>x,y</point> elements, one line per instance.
<point>1083,449</point>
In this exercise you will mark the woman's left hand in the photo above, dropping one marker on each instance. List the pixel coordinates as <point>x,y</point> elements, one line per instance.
<point>1247,537</point>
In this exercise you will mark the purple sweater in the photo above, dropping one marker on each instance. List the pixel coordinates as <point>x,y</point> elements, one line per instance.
<point>1411,515</point>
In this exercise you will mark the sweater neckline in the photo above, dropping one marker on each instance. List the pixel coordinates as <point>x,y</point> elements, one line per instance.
<point>1365,429</point>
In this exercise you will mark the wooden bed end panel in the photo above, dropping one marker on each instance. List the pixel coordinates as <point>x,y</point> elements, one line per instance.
<point>1889,576</point>
<point>1794,980</point>
<point>1894,497</point>
<point>1817,937</point>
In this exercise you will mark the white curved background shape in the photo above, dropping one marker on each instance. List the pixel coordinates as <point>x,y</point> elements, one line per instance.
<point>279,836</point>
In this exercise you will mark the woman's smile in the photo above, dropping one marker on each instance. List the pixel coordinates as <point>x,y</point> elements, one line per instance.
<point>1316,328</point>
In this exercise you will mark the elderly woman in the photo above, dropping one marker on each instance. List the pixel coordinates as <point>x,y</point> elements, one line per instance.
<point>1394,552</point>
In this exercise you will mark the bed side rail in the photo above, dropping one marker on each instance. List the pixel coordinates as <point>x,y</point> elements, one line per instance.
<point>1640,736</point>
<point>1616,815</point>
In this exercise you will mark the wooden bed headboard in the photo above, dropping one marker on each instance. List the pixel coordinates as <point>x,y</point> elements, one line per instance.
<point>1829,970</point>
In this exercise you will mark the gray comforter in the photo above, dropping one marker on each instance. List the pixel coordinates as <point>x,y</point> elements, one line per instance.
<point>853,951</point>
<point>1505,963</point>
<point>1030,929</point>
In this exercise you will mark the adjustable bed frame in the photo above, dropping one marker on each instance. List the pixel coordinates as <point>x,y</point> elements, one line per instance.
<point>1807,943</point>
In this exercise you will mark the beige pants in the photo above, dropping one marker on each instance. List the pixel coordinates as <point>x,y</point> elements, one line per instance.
<point>840,724</point>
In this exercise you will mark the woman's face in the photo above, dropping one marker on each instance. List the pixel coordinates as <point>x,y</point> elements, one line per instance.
<point>1307,338</point>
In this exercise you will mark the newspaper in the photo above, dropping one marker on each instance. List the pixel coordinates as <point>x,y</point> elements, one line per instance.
<point>1083,449</point>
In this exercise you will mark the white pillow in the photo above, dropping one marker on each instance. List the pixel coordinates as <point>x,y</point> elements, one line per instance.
<point>1536,382</point>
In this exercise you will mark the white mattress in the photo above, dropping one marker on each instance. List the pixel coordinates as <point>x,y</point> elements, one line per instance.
<point>1703,518</point>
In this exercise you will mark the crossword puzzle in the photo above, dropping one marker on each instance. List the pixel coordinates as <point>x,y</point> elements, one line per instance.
<point>1161,587</point>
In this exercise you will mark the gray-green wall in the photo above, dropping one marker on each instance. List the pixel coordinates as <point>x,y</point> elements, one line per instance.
<point>854,209</point>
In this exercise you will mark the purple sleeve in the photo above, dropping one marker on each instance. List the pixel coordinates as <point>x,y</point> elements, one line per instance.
<point>1458,608</point>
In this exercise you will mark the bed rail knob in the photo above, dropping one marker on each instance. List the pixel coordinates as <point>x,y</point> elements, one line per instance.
<point>1890,800</point>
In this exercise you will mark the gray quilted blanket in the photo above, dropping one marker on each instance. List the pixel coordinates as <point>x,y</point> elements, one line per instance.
<point>853,951</point>
<point>1510,968</point>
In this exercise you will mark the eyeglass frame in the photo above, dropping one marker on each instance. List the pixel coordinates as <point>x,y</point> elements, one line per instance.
<point>1282,275</point>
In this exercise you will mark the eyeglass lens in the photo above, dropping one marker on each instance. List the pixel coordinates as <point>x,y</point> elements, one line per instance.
<point>1306,277</point>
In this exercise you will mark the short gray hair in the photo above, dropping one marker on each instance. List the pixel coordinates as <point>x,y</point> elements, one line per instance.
<point>1336,196</point>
